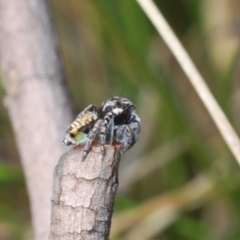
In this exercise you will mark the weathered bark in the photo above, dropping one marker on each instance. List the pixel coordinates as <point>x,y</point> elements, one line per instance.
<point>36,98</point>
<point>83,194</point>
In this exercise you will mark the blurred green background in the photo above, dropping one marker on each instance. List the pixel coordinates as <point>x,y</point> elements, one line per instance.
<point>179,181</point>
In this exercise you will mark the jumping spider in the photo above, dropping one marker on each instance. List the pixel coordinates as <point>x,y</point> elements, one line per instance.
<point>115,122</point>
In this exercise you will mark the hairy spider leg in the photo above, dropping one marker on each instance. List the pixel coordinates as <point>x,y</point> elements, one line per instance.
<point>135,120</point>
<point>127,135</point>
<point>105,135</point>
<point>91,136</point>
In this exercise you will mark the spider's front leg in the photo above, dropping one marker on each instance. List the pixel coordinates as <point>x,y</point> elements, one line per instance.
<point>105,135</point>
<point>91,137</point>
<point>127,135</point>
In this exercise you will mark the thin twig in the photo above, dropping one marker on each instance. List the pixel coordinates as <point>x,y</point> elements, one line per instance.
<point>221,121</point>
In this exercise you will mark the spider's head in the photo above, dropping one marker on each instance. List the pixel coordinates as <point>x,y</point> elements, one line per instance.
<point>75,138</point>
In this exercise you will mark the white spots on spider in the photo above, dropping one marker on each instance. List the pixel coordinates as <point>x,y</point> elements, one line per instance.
<point>117,111</point>
<point>113,103</point>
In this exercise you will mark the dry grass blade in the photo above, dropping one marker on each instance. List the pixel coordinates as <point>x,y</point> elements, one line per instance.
<point>152,161</point>
<point>224,126</point>
<point>152,217</point>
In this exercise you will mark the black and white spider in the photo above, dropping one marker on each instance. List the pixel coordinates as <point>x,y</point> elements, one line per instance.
<point>116,122</point>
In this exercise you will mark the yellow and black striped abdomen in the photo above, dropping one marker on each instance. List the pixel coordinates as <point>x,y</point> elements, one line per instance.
<point>81,121</point>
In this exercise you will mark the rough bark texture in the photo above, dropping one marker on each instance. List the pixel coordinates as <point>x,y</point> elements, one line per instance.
<point>83,194</point>
<point>36,98</point>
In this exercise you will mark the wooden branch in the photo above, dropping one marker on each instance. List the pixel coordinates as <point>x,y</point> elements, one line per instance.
<point>83,194</point>
<point>36,97</point>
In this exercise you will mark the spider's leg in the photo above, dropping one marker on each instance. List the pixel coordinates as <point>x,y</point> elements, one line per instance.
<point>135,127</point>
<point>102,137</point>
<point>127,135</point>
<point>91,136</point>
<point>110,131</point>
<point>90,108</point>
<point>124,137</point>
<point>105,135</point>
